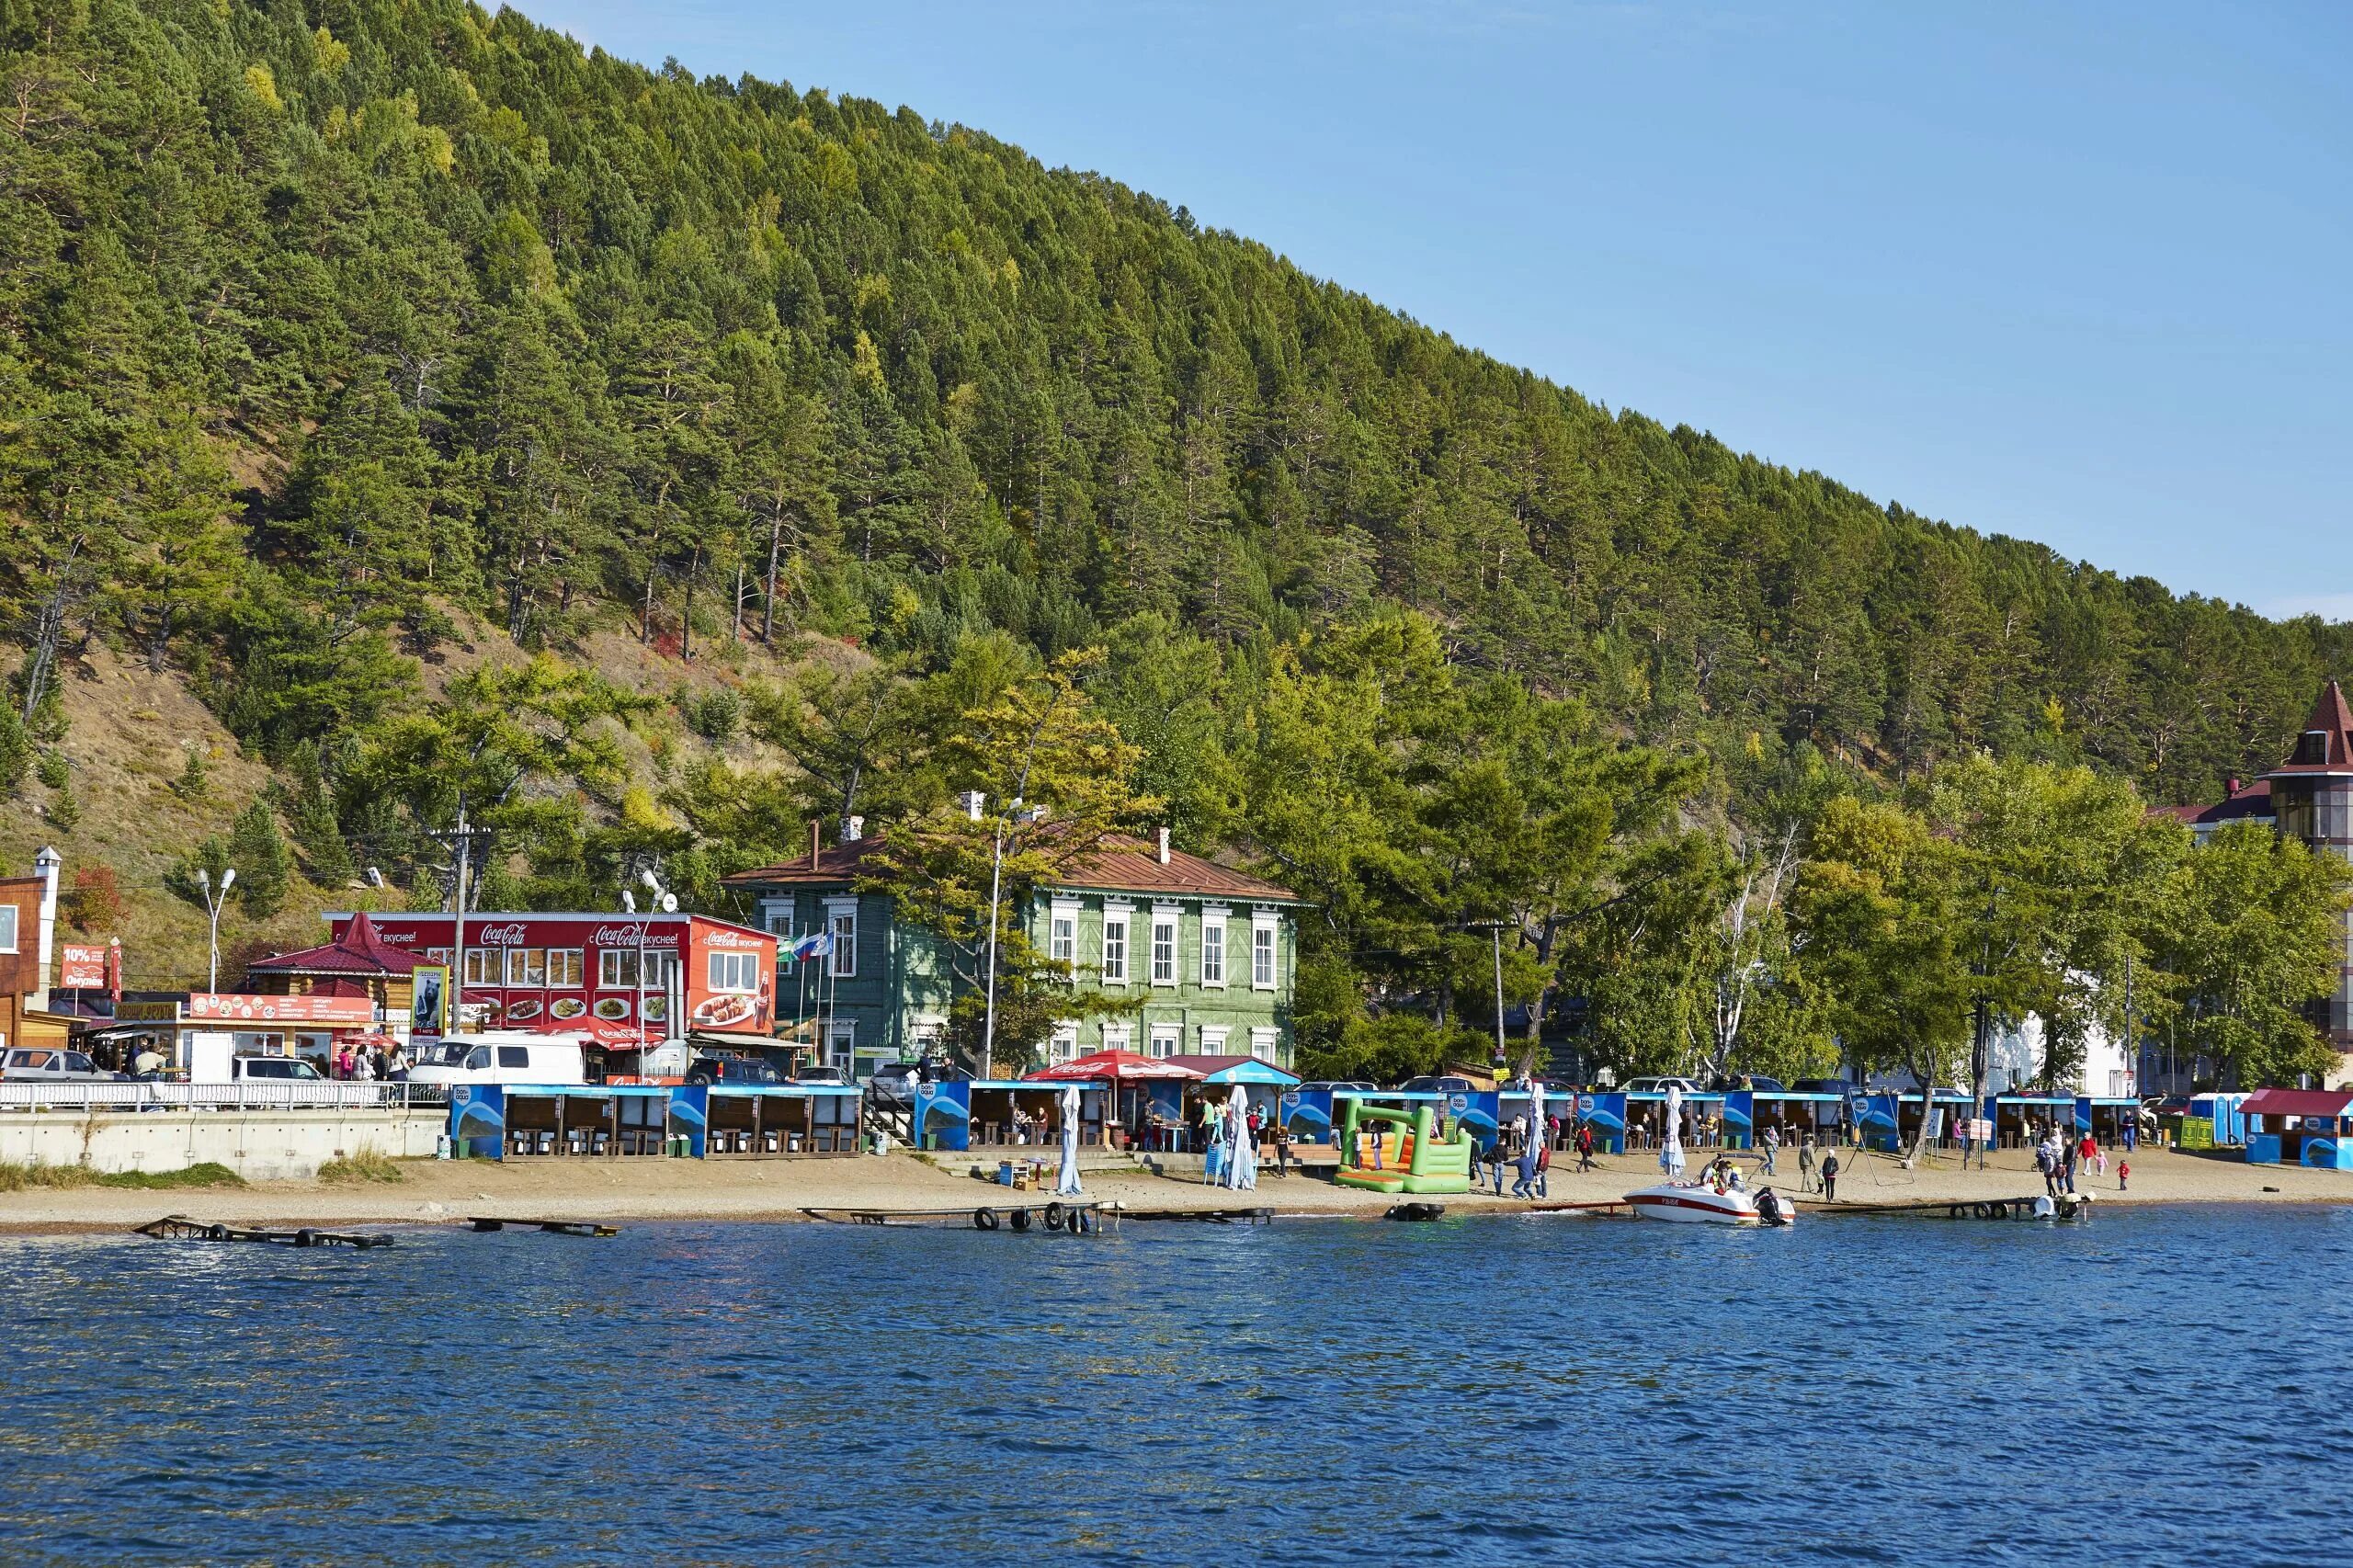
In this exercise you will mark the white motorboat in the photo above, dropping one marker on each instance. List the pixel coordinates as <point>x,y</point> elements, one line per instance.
<point>1705,1203</point>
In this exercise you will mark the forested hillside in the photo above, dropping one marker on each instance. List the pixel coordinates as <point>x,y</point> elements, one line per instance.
<point>338,337</point>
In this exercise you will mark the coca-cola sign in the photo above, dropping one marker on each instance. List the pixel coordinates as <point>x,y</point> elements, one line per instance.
<point>508,936</point>
<point>726,937</point>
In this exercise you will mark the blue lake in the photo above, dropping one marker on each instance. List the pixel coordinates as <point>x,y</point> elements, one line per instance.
<point>2162,1385</point>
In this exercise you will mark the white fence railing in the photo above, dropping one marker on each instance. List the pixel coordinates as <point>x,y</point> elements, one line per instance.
<point>121,1097</point>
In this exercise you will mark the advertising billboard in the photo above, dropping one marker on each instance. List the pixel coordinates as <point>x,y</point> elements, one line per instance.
<point>607,977</point>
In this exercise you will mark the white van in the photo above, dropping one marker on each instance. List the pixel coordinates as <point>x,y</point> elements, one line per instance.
<point>498,1056</point>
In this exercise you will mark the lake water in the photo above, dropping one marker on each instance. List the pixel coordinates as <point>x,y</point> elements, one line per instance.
<point>2162,1385</point>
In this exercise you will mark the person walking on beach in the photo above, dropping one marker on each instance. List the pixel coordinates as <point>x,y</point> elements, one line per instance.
<point>1585,1147</point>
<point>1805,1162</point>
<point>1830,1179</point>
<point>2070,1154</point>
<point>2046,1159</point>
<point>1771,1143</point>
<point>2123,1174</point>
<point>2094,1155</point>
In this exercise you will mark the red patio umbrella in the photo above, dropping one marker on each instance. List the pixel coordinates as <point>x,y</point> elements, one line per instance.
<point>1119,1066</point>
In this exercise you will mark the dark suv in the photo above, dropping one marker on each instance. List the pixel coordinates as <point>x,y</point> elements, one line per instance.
<point>732,1069</point>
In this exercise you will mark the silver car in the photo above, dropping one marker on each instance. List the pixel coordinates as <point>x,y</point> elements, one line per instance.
<point>50,1064</point>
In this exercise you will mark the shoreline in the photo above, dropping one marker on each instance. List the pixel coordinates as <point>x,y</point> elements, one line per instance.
<point>778,1191</point>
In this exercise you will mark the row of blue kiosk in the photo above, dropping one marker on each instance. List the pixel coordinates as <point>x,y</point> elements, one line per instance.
<point>2306,1127</point>
<point>502,1121</point>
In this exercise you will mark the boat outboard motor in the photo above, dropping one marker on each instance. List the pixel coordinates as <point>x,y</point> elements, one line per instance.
<point>1768,1206</point>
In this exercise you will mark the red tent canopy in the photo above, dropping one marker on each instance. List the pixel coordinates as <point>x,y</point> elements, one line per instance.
<point>2299,1102</point>
<point>1118,1065</point>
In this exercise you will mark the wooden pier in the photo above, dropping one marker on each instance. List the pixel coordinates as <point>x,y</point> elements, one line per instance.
<point>2066,1206</point>
<point>179,1228</point>
<point>553,1227</point>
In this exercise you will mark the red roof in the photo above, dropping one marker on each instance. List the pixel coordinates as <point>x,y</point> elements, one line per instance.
<point>1122,865</point>
<point>359,952</point>
<point>2325,743</point>
<point>2300,1102</point>
<point>2247,801</point>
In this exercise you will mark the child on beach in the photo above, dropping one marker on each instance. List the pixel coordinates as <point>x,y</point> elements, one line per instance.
<point>2123,1174</point>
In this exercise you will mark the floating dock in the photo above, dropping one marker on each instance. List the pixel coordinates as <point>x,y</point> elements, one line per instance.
<point>1068,1218</point>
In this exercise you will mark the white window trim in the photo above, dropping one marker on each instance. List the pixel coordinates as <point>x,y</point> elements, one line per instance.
<point>1213,1038</point>
<point>843,1030</point>
<point>1118,1037</point>
<point>1266,1041</point>
<point>1267,920</point>
<point>1062,1044</point>
<point>1172,916</point>
<point>1123,916</point>
<point>575,963</point>
<point>842,963</point>
<point>14,923</point>
<point>1174,1034</point>
<point>1062,909</point>
<point>1213,919</point>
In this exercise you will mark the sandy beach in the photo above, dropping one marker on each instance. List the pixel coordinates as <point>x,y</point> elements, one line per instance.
<point>436,1192</point>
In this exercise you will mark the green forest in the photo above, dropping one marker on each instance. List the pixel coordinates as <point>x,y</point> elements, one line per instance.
<point>332,333</point>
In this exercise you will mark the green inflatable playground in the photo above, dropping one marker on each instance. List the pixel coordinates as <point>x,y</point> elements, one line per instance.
<point>1410,1158</point>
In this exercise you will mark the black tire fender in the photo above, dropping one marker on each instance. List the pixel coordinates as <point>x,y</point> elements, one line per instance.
<point>1021,1219</point>
<point>984,1218</point>
<point>1053,1216</point>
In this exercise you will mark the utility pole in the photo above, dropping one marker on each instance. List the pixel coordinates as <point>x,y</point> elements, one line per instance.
<point>1020,816</point>
<point>461,840</point>
<point>1496,929</point>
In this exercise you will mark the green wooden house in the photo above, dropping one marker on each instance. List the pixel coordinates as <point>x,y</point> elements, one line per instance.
<point>1207,952</point>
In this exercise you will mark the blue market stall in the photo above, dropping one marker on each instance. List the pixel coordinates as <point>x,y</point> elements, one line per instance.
<point>2019,1120</point>
<point>1794,1112</point>
<point>501,1122</point>
<point>1008,1113</point>
<point>2299,1126</point>
<point>2113,1120</point>
<point>745,1120</point>
<point>1703,1117</point>
<point>1263,1082</point>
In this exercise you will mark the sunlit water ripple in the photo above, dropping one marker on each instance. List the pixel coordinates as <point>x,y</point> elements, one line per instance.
<point>2161,1385</point>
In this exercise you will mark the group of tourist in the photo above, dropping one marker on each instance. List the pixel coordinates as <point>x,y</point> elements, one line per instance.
<point>369,1061</point>
<point>2061,1156</point>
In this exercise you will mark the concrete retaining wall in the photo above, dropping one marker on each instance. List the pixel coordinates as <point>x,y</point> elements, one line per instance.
<point>258,1145</point>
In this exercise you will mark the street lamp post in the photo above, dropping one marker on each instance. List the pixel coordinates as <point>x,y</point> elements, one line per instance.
<point>1496,929</point>
<point>213,900</point>
<point>1021,816</point>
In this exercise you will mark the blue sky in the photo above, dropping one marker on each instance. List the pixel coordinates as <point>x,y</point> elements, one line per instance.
<point>2077,273</point>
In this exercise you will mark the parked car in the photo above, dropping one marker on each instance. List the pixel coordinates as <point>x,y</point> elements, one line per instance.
<point>273,1069</point>
<point>1825,1086</point>
<point>820,1075</point>
<point>508,1056</point>
<point>1660,1086</point>
<point>1437,1083</point>
<point>1757,1082</point>
<point>730,1068</point>
<point>893,1084</point>
<point>50,1064</point>
<point>1330,1084</point>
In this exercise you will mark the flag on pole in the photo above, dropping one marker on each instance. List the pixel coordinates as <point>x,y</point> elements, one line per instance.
<point>817,944</point>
